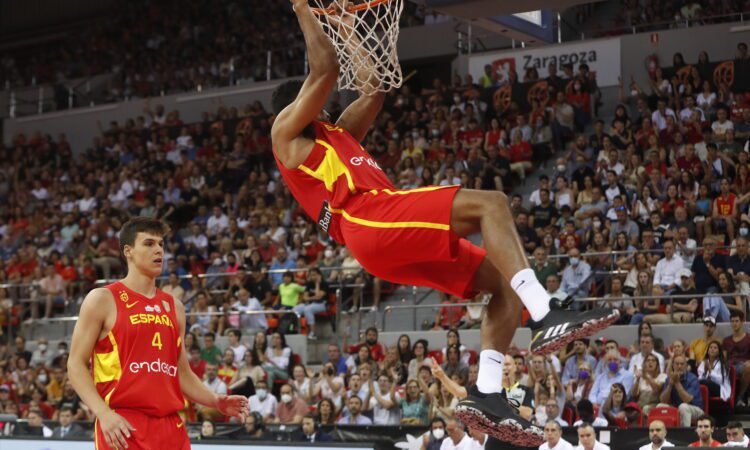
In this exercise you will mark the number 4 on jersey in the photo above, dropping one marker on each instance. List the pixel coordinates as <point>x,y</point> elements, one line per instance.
<point>156,341</point>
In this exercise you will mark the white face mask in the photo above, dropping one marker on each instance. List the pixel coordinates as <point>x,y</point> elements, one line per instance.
<point>261,393</point>
<point>561,168</point>
<point>574,261</point>
<point>328,253</point>
<point>42,378</point>
<point>286,398</point>
<point>439,433</point>
<point>42,347</point>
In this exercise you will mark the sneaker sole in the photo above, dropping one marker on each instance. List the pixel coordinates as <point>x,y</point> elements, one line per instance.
<point>506,430</point>
<point>587,329</point>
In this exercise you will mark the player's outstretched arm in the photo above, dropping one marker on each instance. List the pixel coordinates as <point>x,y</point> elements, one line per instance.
<point>96,307</point>
<point>196,391</point>
<point>324,71</point>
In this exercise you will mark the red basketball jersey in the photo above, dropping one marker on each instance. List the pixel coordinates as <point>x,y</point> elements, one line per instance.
<point>726,206</point>
<point>135,365</point>
<point>336,169</point>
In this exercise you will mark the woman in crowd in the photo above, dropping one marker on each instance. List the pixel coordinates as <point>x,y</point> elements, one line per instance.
<point>585,195</point>
<point>645,288</point>
<point>614,407</point>
<point>453,363</point>
<point>648,384</point>
<point>443,401</point>
<point>363,356</point>
<point>249,373</point>
<point>392,365</point>
<point>404,348</point>
<point>420,358</point>
<point>208,430</point>
<point>277,359</point>
<point>329,386</point>
<point>302,384</point>
<point>453,338</point>
<point>415,405</point>
<point>563,194</point>
<point>580,387</point>
<point>326,412</point>
<point>713,372</point>
<point>201,320</point>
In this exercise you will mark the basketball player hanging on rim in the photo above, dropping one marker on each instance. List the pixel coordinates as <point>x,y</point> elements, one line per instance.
<point>416,237</point>
<point>132,333</point>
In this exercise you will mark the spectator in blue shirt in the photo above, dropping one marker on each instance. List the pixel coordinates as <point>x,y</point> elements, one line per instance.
<point>355,409</point>
<point>335,358</point>
<point>616,373</point>
<point>682,391</point>
<point>280,265</point>
<point>579,355</point>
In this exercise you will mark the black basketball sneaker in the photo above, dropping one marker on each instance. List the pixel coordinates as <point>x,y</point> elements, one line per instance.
<point>493,415</point>
<point>561,326</point>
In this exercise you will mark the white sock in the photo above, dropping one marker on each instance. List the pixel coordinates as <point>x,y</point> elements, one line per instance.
<point>534,297</point>
<point>490,378</point>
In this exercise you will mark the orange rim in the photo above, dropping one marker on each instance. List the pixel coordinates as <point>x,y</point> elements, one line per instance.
<point>351,9</point>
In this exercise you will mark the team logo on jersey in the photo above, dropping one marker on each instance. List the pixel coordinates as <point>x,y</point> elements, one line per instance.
<point>154,308</point>
<point>157,366</point>
<point>124,296</point>
<point>166,306</point>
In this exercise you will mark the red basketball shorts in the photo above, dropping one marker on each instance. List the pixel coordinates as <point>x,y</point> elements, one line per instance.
<point>151,433</point>
<point>405,237</point>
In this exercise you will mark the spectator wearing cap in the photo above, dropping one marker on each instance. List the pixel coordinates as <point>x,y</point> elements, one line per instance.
<point>736,436</point>
<point>575,359</point>
<point>668,268</point>
<point>682,391</point>
<point>698,346</point>
<point>615,373</point>
<point>624,224</point>
<point>708,266</point>
<point>657,434</point>
<point>680,309</point>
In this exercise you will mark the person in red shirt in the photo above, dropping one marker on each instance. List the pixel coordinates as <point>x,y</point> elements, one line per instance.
<point>520,155</point>
<point>705,431</point>
<point>737,348</point>
<point>314,249</point>
<point>132,332</point>
<point>473,136</point>
<point>197,364</point>
<point>371,340</point>
<point>725,209</point>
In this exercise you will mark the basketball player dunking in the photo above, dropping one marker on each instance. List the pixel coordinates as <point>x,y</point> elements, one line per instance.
<point>416,236</point>
<point>131,331</point>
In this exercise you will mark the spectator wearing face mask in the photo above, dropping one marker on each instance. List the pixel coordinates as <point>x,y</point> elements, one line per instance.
<point>615,374</point>
<point>292,409</point>
<point>262,402</point>
<point>432,439</point>
<point>576,277</point>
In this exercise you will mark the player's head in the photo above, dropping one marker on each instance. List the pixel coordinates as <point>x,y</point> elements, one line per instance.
<point>142,244</point>
<point>285,94</point>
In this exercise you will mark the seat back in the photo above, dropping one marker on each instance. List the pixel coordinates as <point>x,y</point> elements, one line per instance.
<point>436,355</point>
<point>667,414</point>
<point>704,396</point>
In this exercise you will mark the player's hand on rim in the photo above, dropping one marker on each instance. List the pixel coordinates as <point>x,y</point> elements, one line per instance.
<point>116,429</point>
<point>233,406</point>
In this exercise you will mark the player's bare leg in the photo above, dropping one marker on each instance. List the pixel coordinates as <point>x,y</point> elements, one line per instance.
<point>488,212</point>
<point>507,275</point>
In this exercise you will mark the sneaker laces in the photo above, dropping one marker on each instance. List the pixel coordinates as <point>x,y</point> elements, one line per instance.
<point>561,304</point>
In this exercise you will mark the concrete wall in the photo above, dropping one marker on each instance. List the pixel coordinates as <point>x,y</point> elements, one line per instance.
<point>717,40</point>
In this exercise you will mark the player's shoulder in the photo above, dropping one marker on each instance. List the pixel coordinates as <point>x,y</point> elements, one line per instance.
<point>99,294</point>
<point>99,302</point>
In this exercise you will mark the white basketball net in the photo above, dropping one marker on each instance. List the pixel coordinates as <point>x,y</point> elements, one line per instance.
<point>364,35</point>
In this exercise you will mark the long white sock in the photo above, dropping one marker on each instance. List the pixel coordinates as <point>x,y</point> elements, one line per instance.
<point>490,378</point>
<point>534,297</point>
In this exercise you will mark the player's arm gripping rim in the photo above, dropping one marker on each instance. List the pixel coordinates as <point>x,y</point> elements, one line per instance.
<point>195,391</point>
<point>312,97</point>
<point>359,116</point>
<point>96,309</point>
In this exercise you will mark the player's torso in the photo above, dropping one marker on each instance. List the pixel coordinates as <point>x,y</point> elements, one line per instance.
<point>135,365</point>
<point>336,169</point>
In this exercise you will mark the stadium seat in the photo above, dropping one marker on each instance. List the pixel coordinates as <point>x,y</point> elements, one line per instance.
<point>568,415</point>
<point>704,396</point>
<point>667,414</point>
<point>716,405</point>
<point>436,355</point>
<point>473,357</point>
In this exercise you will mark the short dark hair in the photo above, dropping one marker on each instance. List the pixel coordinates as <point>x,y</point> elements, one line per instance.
<point>707,417</point>
<point>285,94</point>
<point>735,425</point>
<point>210,334</point>
<point>235,332</point>
<point>140,224</point>
<point>735,313</point>
<point>67,408</point>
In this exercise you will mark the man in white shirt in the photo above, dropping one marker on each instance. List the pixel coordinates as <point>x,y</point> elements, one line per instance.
<point>553,438</point>
<point>553,287</point>
<point>721,125</point>
<point>587,439</point>
<point>217,223</point>
<point>659,117</point>
<point>197,242</point>
<point>245,303</point>
<point>736,436</point>
<point>236,346</point>
<point>647,347</point>
<point>657,432</point>
<point>217,386</point>
<point>668,268</point>
<point>686,246</point>
<point>535,198</point>
<point>456,438</point>
<point>262,402</point>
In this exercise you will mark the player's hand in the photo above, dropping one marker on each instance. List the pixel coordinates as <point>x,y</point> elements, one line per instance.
<point>116,429</point>
<point>298,3</point>
<point>233,406</point>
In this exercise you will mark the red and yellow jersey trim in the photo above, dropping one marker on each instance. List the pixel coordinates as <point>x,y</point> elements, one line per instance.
<point>330,169</point>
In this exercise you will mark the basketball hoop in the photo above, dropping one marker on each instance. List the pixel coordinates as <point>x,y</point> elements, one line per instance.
<point>364,36</point>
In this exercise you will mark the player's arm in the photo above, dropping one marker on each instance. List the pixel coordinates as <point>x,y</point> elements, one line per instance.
<point>312,97</point>
<point>95,308</point>
<point>195,390</point>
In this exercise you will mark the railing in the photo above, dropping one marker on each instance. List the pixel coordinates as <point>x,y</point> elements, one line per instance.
<point>414,308</point>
